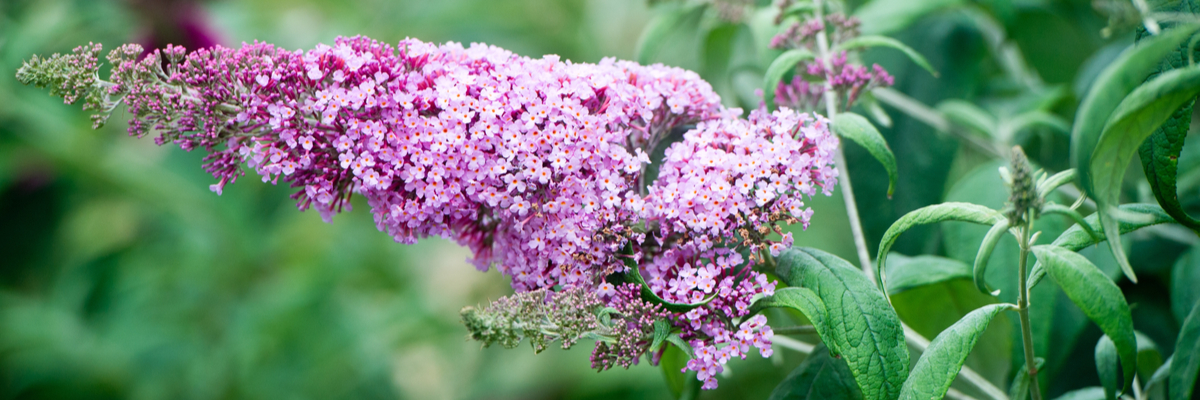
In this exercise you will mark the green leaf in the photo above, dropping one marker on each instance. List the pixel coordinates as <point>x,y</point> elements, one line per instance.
<point>1110,88</point>
<point>970,116</point>
<point>864,327</point>
<point>1149,357</point>
<point>661,26</point>
<point>662,329</point>
<point>914,272</point>
<point>1099,298</point>
<point>673,361</point>
<point>798,8</point>
<point>876,111</point>
<point>1160,162</point>
<point>1076,238</point>
<point>681,344</point>
<point>635,276</point>
<point>1088,393</point>
<point>985,252</point>
<point>1160,153</point>
<point>856,128</point>
<point>778,68</point>
<point>944,357</point>
<point>1020,386</point>
<point>1160,375</point>
<point>1046,186</point>
<point>927,215</point>
<point>1010,127</point>
<point>876,40</point>
<point>819,377</point>
<point>1054,208</point>
<point>930,309</point>
<point>718,49</point>
<point>886,16</point>
<point>1135,118</point>
<point>1107,365</point>
<point>1185,363</point>
<point>1185,283</point>
<point>806,302</point>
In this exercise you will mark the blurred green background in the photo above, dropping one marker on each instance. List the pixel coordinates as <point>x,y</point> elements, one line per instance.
<point>122,276</point>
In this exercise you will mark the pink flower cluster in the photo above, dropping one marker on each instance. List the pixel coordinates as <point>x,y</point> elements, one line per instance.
<point>710,360</point>
<point>536,165</point>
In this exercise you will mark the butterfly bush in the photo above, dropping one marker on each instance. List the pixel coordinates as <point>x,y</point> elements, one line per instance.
<point>537,165</point>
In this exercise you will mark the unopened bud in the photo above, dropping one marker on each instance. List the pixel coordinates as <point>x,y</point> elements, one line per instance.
<point>1023,201</point>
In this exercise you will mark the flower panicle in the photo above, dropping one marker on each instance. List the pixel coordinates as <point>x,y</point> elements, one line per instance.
<point>535,165</point>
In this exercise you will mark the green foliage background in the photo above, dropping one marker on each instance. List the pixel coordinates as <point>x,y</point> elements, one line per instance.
<point>122,276</point>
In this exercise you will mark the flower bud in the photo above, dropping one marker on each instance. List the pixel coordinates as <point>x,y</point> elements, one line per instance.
<point>1023,200</point>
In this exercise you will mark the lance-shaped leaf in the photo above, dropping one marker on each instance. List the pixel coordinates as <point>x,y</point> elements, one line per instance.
<point>1185,363</point>
<point>1107,364</point>
<point>930,308</point>
<point>1020,386</point>
<point>1185,292</point>
<point>876,111</point>
<point>970,116</point>
<point>875,40</point>
<point>856,128</point>
<point>778,68</point>
<point>662,329</point>
<point>1160,153</point>
<point>1053,208</point>
<point>797,8</point>
<point>1088,393</point>
<point>1045,186</point>
<point>1135,118</point>
<point>1077,238</point>
<point>1160,376</point>
<point>1098,297</point>
<point>1149,357</point>
<point>661,26</point>
<point>928,215</point>
<point>1160,162</point>
<point>944,357</point>
<point>635,276</point>
<point>1112,85</point>
<point>1010,127</point>
<point>985,252</point>
<point>907,273</point>
<point>806,302</point>
<point>820,377</point>
<point>718,48</point>
<point>866,329</point>
<point>674,359</point>
<point>886,16</point>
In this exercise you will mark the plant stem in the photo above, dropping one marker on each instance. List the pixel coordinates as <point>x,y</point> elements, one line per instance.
<point>860,241</point>
<point>1023,309</point>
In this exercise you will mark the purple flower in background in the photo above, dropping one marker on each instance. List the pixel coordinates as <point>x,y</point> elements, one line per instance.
<point>173,22</point>
<point>847,79</point>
